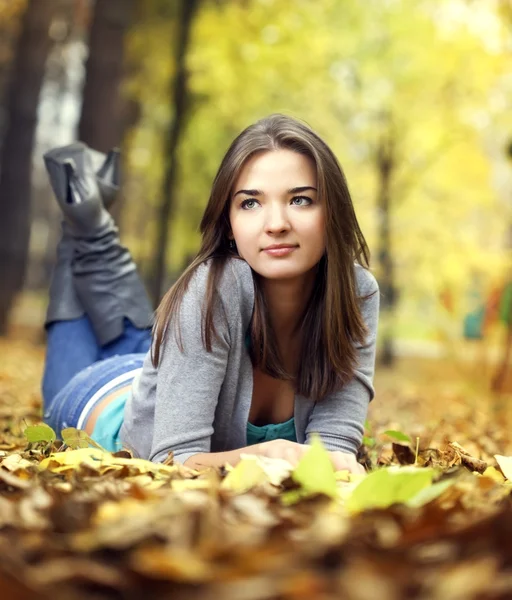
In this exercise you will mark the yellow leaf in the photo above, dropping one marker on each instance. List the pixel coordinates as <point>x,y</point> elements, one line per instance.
<point>180,485</point>
<point>494,474</point>
<point>125,509</point>
<point>247,474</point>
<point>74,458</point>
<point>343,475</point>
<point>143,481</point>
<point>100,459</point>
<point>276,469</point>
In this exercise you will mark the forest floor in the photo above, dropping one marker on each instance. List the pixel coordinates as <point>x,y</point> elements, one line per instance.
<point>80,524</point>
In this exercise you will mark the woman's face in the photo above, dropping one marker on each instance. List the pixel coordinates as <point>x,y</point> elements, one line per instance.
<point>275,203</point>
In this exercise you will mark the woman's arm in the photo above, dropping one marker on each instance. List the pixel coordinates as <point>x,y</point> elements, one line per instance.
<point>215,459</point>
<point>189,382</point>
<point>283,449</point>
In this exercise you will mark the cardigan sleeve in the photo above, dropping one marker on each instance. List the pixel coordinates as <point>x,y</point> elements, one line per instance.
<point>189,382</point>
<point>339,417</point>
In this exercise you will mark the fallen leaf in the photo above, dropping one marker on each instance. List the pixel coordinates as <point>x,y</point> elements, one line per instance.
<point>247,474</point>
<point>404,454</point>
<point>387,486</point>
<point>76,438</point>
<point>494,474</point>
<point>505,464</point>
<point>315,473</point>
<point>15,462</point>
<point>40,433</point>
<point>398,436</point>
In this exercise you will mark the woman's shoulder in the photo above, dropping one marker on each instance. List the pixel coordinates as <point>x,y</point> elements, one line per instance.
<point>235,285</point>
<point>235,272</point>
<point>365,280</point>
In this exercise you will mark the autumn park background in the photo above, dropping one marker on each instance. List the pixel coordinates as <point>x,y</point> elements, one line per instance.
<point>414,97</point>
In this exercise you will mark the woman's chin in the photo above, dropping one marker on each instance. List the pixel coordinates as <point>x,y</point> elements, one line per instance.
<point>279,271</point>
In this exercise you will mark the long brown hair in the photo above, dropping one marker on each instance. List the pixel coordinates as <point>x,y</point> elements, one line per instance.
<point>332,323</point>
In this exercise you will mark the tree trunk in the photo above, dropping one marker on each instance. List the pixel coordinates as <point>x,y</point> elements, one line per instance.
<point>500,377</point>
<point>102,121</point>
<point>180,101</point>
<point>385,165</point>
<point>32,51</point>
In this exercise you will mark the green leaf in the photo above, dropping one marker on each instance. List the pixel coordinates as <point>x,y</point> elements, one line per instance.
<point>430,493</point>
<point>315,473</point>
<point>39,433</point>
<point>368,441</point>
<point>388,486</point>
<point>398,436</point>
<point>76,438</point>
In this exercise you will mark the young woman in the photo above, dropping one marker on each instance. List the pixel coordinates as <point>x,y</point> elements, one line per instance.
<point>267,338</point>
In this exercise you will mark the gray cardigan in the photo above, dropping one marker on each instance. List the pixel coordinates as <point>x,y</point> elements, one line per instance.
<point>198,401</point>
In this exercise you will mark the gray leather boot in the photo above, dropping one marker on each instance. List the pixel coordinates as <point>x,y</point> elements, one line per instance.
<point>100,272</point>
<point>63,303</point>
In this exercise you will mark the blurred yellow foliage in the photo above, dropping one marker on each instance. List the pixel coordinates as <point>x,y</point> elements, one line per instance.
<point>428,77</point>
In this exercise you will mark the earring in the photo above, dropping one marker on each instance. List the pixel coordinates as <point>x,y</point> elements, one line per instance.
<point>232,244</point>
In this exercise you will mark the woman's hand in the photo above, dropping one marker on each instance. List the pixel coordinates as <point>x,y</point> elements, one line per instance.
<point>293,452</point>
<point>284,449</point>
<point>343,461</point>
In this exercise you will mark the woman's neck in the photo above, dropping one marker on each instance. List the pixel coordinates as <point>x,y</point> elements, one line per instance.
<point>286,300</point>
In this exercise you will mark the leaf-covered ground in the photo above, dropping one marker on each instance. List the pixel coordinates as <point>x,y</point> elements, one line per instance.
<point>438,524</point>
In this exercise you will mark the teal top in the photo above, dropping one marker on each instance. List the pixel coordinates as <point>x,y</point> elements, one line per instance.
<point>109,422</point>
<point>272,431</point>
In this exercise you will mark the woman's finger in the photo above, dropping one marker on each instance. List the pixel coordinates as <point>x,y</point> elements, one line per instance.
<point>342,461</point>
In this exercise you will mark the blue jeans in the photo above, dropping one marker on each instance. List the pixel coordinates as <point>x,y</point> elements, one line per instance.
<point>77,366</point>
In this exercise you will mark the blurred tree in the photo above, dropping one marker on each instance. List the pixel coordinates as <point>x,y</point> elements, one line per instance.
<point>10,17</point>
<point>62,88</point>
<point>409,114</point>
<point>103,116</point>
<point>180,99</point>
<point>15,161</point>
<point>499,378</point>
<point>385,161</point>
<point>400,91</point>
<point>105,109</point>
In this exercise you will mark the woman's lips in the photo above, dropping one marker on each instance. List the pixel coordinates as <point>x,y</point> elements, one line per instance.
<point>283,251</point>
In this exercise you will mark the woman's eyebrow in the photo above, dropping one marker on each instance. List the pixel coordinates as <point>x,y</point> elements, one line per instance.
<point>304,188</point>
<point>249,193</point>
<point>295,190</point>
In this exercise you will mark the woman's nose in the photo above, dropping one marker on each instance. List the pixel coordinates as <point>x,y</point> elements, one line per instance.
<point>276,218</point>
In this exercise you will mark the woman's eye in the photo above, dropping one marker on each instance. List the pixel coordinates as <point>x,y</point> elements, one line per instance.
<point>248,204</point>
<point>302,200</point>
